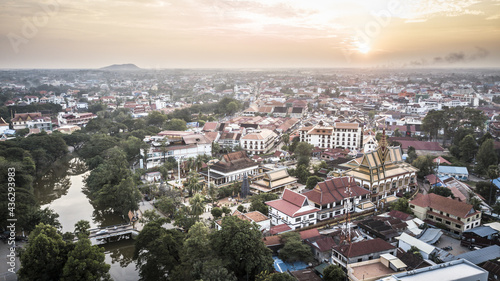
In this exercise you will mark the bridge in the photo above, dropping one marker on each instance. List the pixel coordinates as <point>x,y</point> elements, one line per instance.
<point>112,233</point>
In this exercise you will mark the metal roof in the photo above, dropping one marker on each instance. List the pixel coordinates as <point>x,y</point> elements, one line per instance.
<point>481,255</point>
<point>482,231</point>
<point>431,235</point>
<point>453,170</point>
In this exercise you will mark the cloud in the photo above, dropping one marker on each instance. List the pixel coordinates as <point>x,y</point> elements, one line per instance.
<point>452,58</point>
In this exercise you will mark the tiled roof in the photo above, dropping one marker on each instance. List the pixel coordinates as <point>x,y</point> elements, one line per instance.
<point>292,204</point>
<point>309,233</point>
<point>279,229</point>
<point>421,145</point>
<point>447,205</point>
<point>365,247</point>
<point>335,190</point>
<point>272,240</point>
<point>322,243</point>
<point>210,126</point>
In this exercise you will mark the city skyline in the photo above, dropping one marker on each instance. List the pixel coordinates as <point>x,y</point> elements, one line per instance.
<point>250,34</point>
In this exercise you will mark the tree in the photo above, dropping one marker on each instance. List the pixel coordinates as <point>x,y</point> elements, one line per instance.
<point>485,156</point>
<point>433,122</point>
<point>193,183</point>
<point>424,164</point>
<point>302,173</point>
<point>82,228</point>
<point>175,125</point>
<point>312,181</point>
<point>468,148</point>
<point>285,138</point>
<point>156,118</point>
<point>293,249</point>
<point>241,209</point>
<point>239,245</point>
<point>474,201</point>
<point>484,188</point>
<point>402,205</point>
<point>216,212</point>
<point>232,107</point>
<point>333,273</point>
<point>226,211</point>
<point>412,155</point>
<point>85,262</point>
<point>197,205</point>
<point>44,256</point>
<point>303,149</point>
<point>157,250</point>
<point>443,191</point>
<point>258,202</point>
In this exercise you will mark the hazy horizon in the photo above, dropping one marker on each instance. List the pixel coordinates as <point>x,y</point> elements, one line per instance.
<point>262,34</point>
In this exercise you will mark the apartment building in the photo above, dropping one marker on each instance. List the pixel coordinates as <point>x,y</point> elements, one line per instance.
<point>345,135</point>
<point>259,141</point>
<point>455,215</point>
<point>293,210</point>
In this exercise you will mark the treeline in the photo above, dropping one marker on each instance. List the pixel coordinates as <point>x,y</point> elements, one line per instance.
<point>22,160</point>
<point>6,112</point>
<point>234,253</point>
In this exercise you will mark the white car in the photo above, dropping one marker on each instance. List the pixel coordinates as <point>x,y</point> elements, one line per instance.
<point>101,232</point>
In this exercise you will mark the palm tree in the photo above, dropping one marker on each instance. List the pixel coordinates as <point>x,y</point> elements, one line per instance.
<point>286,139</point>
<point>198,162</point>
<point>193,183</point>
<point>197,205</point>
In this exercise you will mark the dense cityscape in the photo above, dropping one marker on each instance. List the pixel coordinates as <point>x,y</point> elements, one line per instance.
<point>122,173</point>
<point>250,140</point>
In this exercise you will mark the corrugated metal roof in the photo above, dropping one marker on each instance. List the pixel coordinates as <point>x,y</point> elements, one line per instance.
<point>482,231</point>
<point>452,170</point>
<point>481,255</point>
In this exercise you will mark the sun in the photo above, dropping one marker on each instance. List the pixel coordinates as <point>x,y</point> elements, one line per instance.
<point>364,48</point>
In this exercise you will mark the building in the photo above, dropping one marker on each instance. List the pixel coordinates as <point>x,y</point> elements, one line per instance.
<point>336,197</point>
<point>3,126</point>
<point>480,236</point>
<point>231,168</point>
<point>80,119</point>
<point>458,270</point>
<point>229,140</point>
<point>257,217</point>
<point>371,270</point>
<point>176,144</point>
<point>370,143</point>
<point>273,181</point>
<point>406,242</point>
<point>348,253</point>
<point>293,210</point>
<point>344,135</point>
<point>321,247</point>
<point>33,120</point>
<point>258,142</point>
<point>455,215</point>
<point>460,173</point>
<point>382,171</point>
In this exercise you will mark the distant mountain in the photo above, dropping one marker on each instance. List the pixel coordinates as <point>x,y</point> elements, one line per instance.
<point>127,66</point>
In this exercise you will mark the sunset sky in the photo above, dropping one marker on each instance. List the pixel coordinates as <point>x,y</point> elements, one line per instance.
<point>249,33</point>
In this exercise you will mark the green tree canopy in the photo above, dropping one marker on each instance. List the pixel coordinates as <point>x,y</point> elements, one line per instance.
<point>312,181</point>
<point>443,191</point>
<point>425,165</point>
<point>239,244</point>
<point>402,205</point>
<point>486,156</point>
<point>293,249</point>
<point>333,273</point>
<point>157,250</point>
<point>468,148</point>
<point>258,202</point>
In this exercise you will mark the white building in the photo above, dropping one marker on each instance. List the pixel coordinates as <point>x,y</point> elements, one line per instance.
<point>259,141</point>
<point>345,135</point>
<point>293,209</point>
<point>31,121</point>
<point>185,146</point>
<point>457,270</point>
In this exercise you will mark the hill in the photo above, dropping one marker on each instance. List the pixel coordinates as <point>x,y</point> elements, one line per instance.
<point>127,66</point>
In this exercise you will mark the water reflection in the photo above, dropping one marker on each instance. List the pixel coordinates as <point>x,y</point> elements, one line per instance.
<point>61,189</point>
<point>119,256</point>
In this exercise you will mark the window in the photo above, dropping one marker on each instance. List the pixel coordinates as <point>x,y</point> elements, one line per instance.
<point>457,225</point>
<point>297,220</point>
<point>447,222</point>
<point>431,216</point>
<point>311,216</point>
<point>439,219</point>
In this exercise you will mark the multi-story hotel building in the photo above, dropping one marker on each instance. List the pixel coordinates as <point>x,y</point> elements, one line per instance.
<point>258,142</point>
<point>345,135</point>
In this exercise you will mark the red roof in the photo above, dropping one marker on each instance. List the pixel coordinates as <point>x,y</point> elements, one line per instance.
<point>335,190</point>
<point>279,229</point>
<point>272,240</point>
<point>309,233</point>
<point>292,204</point>
<point>365,247</point>
<point>441,160</point>
<point>447,205</point>
<point>210,126</point>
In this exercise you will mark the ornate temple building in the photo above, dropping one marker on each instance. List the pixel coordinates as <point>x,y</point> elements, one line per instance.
<point>383,172</point>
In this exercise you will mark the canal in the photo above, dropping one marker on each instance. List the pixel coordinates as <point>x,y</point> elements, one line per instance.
<point>61,189</point>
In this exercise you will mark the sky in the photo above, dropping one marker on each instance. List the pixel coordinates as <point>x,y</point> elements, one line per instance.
<point>158,34</point>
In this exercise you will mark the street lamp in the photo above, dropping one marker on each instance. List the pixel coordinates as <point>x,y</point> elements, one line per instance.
<point>178,158</point>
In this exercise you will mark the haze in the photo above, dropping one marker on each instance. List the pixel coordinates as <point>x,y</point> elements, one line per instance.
<point>252,33</point>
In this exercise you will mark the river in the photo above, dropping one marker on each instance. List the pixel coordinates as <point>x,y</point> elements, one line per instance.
<point>61,189</point>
